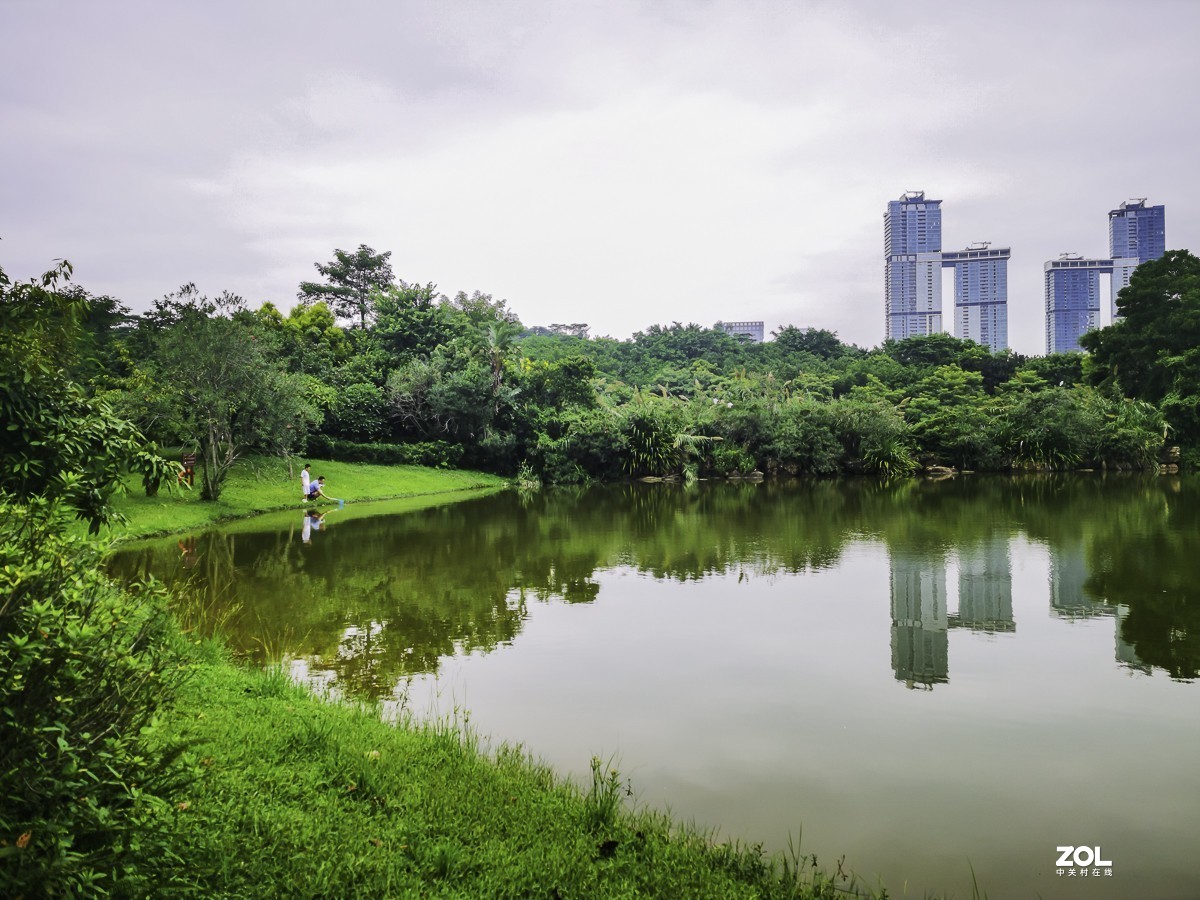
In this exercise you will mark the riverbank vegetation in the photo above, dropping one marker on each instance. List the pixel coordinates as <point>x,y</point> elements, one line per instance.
<point>371,368</point>
<point>335,802</point>
<point>136,760</point>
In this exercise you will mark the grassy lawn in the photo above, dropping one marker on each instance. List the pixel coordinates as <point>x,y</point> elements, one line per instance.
<point>292,796</point>
<point>262,484</point>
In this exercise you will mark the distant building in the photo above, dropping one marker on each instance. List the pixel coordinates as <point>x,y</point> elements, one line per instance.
<point>980,294</point>
<point>752,330</point>
<point>912,252</point>
<point>1137,233</point>
<point>1072,299</point>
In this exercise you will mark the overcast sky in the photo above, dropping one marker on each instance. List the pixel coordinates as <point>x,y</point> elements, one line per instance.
<point>620,163</point>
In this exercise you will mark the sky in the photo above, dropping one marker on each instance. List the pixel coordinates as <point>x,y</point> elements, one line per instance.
<point>624,164</point>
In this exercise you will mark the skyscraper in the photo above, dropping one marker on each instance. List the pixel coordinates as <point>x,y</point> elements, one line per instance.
<point>980,294</point>
<point>912,250</point>
<point>1137,233</point>
<point>1072,299</point>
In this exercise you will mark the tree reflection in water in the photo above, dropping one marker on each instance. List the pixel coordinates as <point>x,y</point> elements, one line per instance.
<point>376,599</point>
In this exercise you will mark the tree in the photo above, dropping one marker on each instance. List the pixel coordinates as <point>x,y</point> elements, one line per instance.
<point>59,443</point>
<point>228,385</point>
<point>412,319</point>
<point>308,338</point>
<point>351,278</point>
<point>1152,352</point>
<point>817,341</point>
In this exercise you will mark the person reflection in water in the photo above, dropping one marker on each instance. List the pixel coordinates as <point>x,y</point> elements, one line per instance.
<point>313,521</point>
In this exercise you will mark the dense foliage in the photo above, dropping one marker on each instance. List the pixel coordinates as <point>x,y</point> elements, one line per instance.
<point>1153,351</point>
<point>58,440</point>
<point>86,665</point>
<point>425,377</point>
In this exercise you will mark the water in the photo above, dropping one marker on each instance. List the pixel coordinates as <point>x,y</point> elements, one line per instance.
<point>929,678</point>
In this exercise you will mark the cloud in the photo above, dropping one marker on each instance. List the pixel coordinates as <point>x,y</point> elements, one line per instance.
<point>623,163</point>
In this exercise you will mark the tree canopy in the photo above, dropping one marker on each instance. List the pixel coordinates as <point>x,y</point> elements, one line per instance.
<point>59,443</point>
<point>350,278</point>
<point>1152,352</point>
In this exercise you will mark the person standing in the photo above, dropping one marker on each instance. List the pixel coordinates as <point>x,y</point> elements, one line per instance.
<point>305,477</point>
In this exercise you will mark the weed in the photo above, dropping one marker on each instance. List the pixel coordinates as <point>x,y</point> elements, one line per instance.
<point>602,802</point>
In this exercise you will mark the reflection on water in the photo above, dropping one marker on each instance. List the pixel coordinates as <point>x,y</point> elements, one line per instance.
<point>378,598</point>
<point>746,648</point>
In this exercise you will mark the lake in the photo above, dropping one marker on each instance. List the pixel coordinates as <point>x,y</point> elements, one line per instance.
<point>931,678</point>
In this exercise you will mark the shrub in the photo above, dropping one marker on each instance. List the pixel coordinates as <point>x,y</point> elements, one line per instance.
<point>875,437</point>
<point>804,440</point>
<point>727,459</point>
<point>357,413</point>
<point>435,454</point>
<point>86,668</point>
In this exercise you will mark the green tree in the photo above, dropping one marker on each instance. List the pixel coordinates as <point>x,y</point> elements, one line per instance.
<point>934,350</point>
<point>412,319</point>
<point>1153,352</point>
<point>350,279</point>
<point>952,420</point>
<point>59,442</point>
<point>228,384</point>
<point>817,341</point>
<point>308,337</point>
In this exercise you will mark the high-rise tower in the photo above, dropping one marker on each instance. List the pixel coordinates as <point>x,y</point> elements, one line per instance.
<point>912,251</point>
<point>1137,233</point>
<point>980,294</point>
<point>1072,299</point>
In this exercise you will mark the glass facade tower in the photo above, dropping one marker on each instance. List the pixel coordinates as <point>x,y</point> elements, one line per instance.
<point>980,294</point>
<point>912,250</point>
<point>1137,233</point>
<point>1072,300</point>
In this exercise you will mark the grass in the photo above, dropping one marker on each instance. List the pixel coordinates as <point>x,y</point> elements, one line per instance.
<point>262,484</point>
<point>295,796</point>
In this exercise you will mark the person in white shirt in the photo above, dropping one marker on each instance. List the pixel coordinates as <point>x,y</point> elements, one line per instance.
<point>304,480</point>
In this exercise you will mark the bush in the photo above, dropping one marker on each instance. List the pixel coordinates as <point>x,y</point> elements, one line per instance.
<point>804,440</point>
<point>723,459</point>
<point>86,668</point>
<point>357,413</point>
<point>588,445</point>
<point>875,438</point>
<point>435,454</point>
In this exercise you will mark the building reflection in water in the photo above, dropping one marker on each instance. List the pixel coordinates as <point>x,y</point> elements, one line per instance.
<point>1125,653</point>
<point>920,618</point>
<point>1070,599</point>
<point>1068,575</point>
<point>985,597</point>
<point>920,643</point>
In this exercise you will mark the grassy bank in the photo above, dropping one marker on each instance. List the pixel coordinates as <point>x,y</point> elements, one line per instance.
<point>293,796</point>
<point>262,484</point>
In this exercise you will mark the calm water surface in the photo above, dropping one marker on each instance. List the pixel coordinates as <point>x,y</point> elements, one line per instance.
<point>927,677</point>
